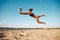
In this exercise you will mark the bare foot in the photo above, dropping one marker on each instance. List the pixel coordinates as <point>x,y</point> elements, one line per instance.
<point>44,23</point>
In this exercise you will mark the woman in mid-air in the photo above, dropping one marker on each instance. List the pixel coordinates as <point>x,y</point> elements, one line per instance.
<point>32,15</point>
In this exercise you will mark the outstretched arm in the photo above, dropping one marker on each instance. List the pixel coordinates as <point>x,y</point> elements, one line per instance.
<point>20,12</point>
<point>24,13</point>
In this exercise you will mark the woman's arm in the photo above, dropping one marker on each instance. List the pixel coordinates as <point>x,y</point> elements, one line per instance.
<point>24,13</point>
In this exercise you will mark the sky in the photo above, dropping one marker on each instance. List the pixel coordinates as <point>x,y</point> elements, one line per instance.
<point>9,12</point>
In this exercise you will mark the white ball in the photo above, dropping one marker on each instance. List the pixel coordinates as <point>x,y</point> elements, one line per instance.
<point>18,9</point>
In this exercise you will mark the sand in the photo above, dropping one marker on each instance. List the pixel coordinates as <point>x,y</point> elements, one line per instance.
<point>30,34</point>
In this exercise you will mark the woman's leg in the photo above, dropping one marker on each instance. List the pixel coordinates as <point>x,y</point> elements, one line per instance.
<point>37,19</point>
<point>41,15</point>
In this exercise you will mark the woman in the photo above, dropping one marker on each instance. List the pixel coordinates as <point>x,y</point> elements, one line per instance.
<point>32,15</point>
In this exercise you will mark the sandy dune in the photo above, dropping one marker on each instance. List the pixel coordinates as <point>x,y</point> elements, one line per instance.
<point>30,34</point>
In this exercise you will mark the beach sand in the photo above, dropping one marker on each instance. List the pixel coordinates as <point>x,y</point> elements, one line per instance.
<point>30,34</point>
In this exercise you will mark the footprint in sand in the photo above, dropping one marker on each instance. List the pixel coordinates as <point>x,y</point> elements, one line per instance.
<point>2,35</point>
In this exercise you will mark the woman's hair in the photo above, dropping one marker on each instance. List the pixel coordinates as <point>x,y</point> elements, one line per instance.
<point>31,9</point>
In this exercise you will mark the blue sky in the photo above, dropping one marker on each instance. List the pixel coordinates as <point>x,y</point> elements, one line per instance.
<point>9,11</point>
